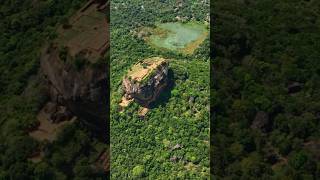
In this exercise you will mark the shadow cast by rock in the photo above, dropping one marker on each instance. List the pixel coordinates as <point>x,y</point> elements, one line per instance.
<point>165,95</point>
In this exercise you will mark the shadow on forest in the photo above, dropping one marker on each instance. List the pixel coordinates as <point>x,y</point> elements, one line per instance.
<point>165,95</point>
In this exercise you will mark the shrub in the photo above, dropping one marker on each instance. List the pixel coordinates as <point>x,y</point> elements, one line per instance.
<point>138,171</point>
<point>63,53</point>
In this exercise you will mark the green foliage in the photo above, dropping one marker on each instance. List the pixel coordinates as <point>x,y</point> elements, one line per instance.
<point>173,121</point>
<point>181,113</point>
<point>44,171</point>
<point>138,171</point>
<point>63,53</point>
<point>258,53</point>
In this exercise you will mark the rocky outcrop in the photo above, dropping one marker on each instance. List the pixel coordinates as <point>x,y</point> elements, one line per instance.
<point>294,87</point>
<point>146,80</point>
<point>57,113</point>
<point>83,92</point>
<point>261,121</point>
<point>76,80</point>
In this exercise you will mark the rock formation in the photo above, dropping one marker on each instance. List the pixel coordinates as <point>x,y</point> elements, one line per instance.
<point>75,70</point>
<point>261,121</point>
<point>294,87</point>
<point>146,80</point>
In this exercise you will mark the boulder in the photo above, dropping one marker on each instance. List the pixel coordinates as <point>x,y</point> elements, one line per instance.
<point>261,121</point>
<point>191,100</point>
<point>174,159</point>
<point>50,108</point>
<point>177,146</point>
<point>62,114</point>
<point>294,87</point>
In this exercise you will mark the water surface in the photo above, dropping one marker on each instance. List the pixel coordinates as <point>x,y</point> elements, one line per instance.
<point>177,36</point>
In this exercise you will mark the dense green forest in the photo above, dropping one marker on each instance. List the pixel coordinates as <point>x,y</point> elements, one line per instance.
<point>265,89</point>
<point>172,141</point>
<point>24,27</point>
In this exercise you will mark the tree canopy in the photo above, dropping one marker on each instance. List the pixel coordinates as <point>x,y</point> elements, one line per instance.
<point>265,89</point>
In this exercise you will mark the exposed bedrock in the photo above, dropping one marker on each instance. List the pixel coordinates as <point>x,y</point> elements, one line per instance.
<point>147,90</point>
<point>75,70</point>
<point>83,92</point>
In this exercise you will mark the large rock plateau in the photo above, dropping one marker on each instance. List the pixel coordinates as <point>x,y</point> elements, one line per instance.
<point>145,80</point>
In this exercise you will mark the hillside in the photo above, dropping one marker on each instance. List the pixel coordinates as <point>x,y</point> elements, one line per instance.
<point>170,136</point>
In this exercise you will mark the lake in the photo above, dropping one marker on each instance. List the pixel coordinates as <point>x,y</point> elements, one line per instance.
<point>183,37</point>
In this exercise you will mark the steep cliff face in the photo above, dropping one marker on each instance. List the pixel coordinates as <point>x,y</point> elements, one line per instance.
<point>80,90</point>
<point>145,81</point>
<point>75,68</point>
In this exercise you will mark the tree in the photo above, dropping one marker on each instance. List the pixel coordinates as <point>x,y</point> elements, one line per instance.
<point>138,171</point>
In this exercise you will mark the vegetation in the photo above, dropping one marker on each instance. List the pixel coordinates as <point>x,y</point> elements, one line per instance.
<point>80,61</point>
<point>25,27</point>
<point>63,53</point>
<point>172,140</point>
<point>265,62</point>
